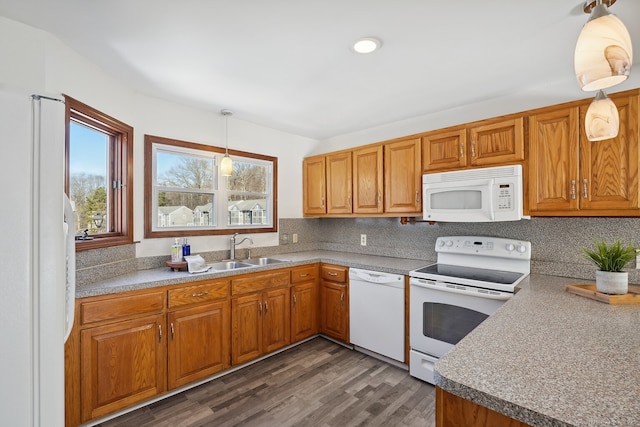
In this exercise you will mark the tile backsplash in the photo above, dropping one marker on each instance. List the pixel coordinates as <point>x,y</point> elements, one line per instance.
<point>555,242</point>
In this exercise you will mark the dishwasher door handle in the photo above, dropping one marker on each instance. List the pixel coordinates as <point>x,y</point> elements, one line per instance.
<point>374,277</point>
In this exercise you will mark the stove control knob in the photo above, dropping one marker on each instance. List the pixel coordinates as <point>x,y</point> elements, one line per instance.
<point>509,247</point>
<point>449,243</point>
<point>441,243</point>
<point>521,248</point>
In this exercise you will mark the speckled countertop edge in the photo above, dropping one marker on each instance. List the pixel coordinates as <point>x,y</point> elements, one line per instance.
<point>551,358</point>
<point>145,279</point>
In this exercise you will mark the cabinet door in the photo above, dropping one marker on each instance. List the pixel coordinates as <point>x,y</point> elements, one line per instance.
<point>276,328</point>
<point>198,343</point>
<point>367,180</point>
<point>246,332</point>
<point>609,168</point>
<point>402,177</point>
<point>334,306</point>
<point>304,311</point>
<point>497,143</point>
<point>444,150</point>
<point>122,364</point>
<point>553,160</point>
<point>314,185</point>
<point>339,183</point>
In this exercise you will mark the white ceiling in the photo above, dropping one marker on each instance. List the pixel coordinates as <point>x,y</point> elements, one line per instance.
<point>287,64</point>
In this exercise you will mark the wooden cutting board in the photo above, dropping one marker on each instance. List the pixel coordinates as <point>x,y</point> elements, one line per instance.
<point>589,291</point>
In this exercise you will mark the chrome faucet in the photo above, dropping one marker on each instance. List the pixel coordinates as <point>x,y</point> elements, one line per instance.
<point>233,244</point>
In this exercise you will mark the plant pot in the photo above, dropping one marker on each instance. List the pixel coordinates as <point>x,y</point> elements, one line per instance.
<point>612,282</point>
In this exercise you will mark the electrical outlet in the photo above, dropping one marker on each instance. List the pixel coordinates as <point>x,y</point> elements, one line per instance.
<point>363,240</point>
<point>294,237</point>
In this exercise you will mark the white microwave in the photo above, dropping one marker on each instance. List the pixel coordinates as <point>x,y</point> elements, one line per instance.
<point>473,195</point>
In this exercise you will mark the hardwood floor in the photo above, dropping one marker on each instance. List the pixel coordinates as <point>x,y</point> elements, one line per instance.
<point>318,383</point>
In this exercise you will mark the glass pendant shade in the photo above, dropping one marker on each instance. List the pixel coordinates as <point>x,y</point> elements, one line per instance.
<point>603,54</point>
<point>226,166</point>
<point>602,120</point>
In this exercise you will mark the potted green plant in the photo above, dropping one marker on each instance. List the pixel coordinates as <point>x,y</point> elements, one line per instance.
<point>610,260</point>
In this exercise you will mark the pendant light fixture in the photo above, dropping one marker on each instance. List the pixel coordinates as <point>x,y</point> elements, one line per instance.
<point>602,120</point>
<point>226,164</point>
<point>603,54</point>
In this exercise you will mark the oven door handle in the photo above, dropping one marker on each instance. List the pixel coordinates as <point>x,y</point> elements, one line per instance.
<point>441,286</point>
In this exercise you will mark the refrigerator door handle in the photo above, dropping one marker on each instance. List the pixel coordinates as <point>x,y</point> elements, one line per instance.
<point>69,227</point>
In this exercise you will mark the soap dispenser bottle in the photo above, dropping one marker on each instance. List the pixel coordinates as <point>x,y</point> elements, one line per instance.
<point>176,252</point>
<point>186,248</point>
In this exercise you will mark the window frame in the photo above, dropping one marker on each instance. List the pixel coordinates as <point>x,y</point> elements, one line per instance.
<point>220,229</point>
<point>121,169</point>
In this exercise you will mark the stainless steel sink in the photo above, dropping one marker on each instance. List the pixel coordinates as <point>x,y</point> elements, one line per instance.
<point>229,265</point>
<point>263,261</point>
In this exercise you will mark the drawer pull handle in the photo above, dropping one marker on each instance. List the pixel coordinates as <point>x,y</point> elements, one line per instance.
<point>260,307</point>
<point>295,300</point>
<point>573,189</point>
<point>266,308</point>
<point>304,275</point>
<point>159,333</point>
<point>585,195</point>
<point>200,294</point>
<point>331,273</point>
<point>173,332</point>
<point>342,299</point>
<point>473,148</point>
<point>462,150</point>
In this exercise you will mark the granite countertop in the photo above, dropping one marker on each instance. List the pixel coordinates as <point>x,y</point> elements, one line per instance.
<point>144,279</point>
<point>551,358</point>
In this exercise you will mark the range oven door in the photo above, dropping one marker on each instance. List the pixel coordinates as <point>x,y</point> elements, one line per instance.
<point>439,319</point>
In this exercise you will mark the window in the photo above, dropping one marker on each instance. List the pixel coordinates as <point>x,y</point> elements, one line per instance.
<point>185,195</point>
<point>98,179</point>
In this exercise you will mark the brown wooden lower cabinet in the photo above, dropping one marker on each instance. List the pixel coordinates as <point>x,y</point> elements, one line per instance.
<point>454,411</point>
<point>334,302</point>
<point>122,363</point>
<point>260,324</point>
<point>132,346</point>
<point>198,343</point>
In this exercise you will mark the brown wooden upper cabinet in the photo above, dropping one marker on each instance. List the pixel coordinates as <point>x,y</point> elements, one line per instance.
<point>490,142</point>
<point>339,183</point>
<point>403,177</point>
<point>570,175</point>
<point>314,185</point>
<point>368,180</point>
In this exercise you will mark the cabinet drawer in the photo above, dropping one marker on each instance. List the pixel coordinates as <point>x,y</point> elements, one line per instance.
<point>123,306</point>
<point>259,281</point>
<point>304,274</point>
<point>334,273</point>
<point>199,293</point>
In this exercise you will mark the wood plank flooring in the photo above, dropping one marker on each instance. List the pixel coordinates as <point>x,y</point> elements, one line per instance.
<point>318,383</point>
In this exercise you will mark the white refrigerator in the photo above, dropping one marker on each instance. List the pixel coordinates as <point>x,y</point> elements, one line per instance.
<point>38,260</point>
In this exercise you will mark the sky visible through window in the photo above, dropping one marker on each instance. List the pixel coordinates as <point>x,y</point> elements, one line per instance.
<point>88,153</point>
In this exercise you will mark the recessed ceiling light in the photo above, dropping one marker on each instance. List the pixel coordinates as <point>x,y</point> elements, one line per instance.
<point>366,45</point>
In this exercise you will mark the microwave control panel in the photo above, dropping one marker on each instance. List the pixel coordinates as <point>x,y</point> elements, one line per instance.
<point>505,196</point>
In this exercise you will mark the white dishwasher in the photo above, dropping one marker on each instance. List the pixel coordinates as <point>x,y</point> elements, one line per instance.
<point>376,312</point>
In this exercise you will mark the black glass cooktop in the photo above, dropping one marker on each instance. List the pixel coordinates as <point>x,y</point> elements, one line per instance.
<point>471,273</point>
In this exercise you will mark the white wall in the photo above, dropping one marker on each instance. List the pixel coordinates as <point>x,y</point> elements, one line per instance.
<point>39,62</point>
<point>564,89</point>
